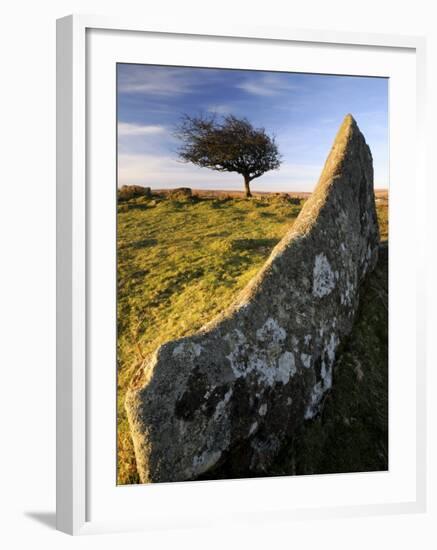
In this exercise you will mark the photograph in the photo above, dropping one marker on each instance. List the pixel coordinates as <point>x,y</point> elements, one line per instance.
<point>252,273</point>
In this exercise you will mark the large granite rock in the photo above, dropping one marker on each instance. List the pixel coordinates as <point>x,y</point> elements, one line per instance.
<point>236,390</point>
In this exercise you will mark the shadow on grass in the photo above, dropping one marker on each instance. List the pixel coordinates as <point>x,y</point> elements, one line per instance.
<point>144,243</point>
<point>253,244</point>
<point>267,214</point>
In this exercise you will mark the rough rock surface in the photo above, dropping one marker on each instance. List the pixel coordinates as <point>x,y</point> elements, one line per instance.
<point>180,193</point>
<point>236,390</point>
<point>351,433</point>
<point>127,192</point>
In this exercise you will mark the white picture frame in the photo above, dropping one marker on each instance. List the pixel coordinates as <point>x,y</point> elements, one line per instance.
<point>73,298</point>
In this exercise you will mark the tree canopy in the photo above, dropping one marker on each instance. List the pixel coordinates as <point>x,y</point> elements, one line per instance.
<point>229,145</point>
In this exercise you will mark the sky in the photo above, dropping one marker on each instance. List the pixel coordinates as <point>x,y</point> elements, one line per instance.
<point>302,111</point>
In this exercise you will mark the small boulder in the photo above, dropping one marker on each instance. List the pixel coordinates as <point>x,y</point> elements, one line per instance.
<point>127,192</point>
<point>180,193</point>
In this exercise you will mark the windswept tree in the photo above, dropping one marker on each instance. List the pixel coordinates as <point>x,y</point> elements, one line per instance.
<point>229,145</point>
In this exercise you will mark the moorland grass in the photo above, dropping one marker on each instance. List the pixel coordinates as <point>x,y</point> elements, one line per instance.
<point>181,262</point>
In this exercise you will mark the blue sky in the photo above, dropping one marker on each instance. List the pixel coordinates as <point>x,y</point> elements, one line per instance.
<point>303,111</point>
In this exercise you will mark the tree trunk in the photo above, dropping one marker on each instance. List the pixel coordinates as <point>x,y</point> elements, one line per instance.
<point>247,186</point>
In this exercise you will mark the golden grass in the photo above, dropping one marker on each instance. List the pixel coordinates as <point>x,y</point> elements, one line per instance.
<point>180,263</point>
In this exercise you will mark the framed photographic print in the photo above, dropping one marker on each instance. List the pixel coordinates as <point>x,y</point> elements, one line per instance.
<point>238,322</point>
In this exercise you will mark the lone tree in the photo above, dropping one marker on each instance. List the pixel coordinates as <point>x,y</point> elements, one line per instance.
<point>232,145</point>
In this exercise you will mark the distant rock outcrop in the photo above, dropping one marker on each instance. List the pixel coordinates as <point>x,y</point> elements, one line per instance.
<point>247,381</point>
<point>180,193</point>
<point>127,192</point>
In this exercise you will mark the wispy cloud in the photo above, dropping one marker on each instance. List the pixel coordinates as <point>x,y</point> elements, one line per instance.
<point>220,109</point>
<point>267,85</point>
<point>127,129</point>
<point>165,171</point>
<point>159,171</point>
<point>155,81</point>
<point>303,111</point>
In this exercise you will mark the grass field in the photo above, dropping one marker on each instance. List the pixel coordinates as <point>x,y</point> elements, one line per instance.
<point>180,262</point>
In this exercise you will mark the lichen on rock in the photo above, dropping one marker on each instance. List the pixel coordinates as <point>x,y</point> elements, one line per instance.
<point>323,276</point>
<point>235,391</point>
